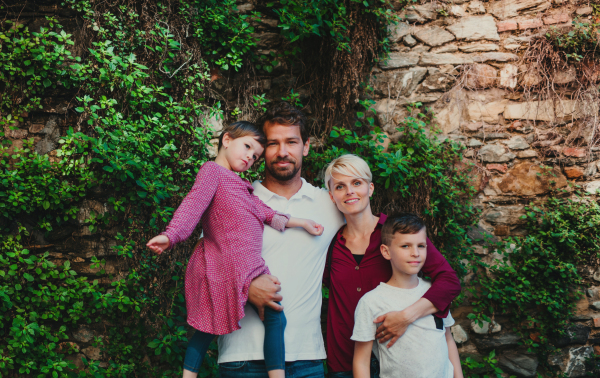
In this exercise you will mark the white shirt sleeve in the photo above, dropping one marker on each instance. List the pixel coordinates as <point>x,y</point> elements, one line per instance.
<point>448,320</point>
<point>364,328</point>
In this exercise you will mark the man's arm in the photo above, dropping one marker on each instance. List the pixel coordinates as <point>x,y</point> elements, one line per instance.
<point>453,354</point>
<point>361,364</point>
<point>445,286</point>
<point>264,291</point>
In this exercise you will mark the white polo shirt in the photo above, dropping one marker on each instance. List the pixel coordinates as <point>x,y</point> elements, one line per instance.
<point>297,259</point>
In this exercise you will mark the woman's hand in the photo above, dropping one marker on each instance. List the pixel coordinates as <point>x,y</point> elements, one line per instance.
<point>395,323</point>
<point>159,244</point>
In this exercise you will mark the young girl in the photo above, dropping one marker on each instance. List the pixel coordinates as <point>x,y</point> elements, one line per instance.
<point>221,269</point>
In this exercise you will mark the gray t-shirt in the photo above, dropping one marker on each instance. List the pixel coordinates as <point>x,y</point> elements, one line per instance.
<point>422,352</point>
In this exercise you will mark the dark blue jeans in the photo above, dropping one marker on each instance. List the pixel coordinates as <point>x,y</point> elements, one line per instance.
<point>257,369</point>
<point>274,347</point>
<point>348,374</point>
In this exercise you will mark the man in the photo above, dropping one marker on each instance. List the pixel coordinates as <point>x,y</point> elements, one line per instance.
<point>296,260</point>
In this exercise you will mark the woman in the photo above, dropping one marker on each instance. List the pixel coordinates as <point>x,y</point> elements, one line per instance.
<point>355,266</point>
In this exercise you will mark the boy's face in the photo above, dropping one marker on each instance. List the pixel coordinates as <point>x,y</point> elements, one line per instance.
<point>407,252</point>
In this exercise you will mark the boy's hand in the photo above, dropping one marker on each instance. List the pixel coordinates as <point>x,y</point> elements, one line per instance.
<point>159,244</point>
<point>313,227</point>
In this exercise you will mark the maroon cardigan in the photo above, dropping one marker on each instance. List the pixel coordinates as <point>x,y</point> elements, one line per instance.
<point>348,282</point>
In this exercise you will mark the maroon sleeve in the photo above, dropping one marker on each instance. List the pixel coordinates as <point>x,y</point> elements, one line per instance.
<point>445,285</point>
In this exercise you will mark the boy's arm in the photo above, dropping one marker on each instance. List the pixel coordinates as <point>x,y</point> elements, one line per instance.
<point>453,354</point>
<point>361,364</point>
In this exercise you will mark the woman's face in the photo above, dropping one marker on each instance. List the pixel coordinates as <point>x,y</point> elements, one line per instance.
<point>350,194</point>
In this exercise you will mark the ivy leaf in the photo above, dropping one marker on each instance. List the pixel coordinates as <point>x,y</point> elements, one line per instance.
<point>334,134</point>
<point>47,83</point>
<point>46,204</point>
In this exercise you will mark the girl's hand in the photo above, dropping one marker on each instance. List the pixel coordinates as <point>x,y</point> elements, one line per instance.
<point>313,227</point>
<point>159,244</point>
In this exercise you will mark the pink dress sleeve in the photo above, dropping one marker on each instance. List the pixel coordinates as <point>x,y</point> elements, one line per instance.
<point>194,204</point>
<point>273,218</point>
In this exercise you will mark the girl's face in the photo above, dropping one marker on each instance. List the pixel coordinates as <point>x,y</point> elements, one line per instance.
<point>350,194</point>
<point>241,152</point>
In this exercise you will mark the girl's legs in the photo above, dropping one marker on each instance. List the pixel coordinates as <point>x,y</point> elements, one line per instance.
<point>274,346</point>
<point>194,355</point>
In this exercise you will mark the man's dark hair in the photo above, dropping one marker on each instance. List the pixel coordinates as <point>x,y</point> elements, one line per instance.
<point>241,129</point>
<point>403,223</point>
<point>283,113</point>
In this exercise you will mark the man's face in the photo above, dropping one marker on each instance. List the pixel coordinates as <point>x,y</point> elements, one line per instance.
<point>284,151</point>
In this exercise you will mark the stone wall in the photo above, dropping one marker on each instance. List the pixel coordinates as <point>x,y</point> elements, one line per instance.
<point>462,59</point>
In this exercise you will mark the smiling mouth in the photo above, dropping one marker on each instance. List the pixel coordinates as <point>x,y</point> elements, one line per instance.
<point>351,201</point>
<point>245,162</point>
<point>414,262</point>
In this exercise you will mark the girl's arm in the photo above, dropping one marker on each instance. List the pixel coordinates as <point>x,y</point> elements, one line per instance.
<point>190,210</point>
<point>361,364</point>
<point>453,354</point>
<point>310,226</point>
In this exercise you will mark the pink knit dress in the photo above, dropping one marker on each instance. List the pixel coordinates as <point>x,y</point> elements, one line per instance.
<point>221,269</point>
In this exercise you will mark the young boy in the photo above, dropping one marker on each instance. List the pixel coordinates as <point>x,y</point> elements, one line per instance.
<point>426,349</point>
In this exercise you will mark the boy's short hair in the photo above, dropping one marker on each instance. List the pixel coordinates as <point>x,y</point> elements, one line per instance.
<point>241,129</point>
<point>403,223</point>
<point>285,114</point>
<point>348,165</point>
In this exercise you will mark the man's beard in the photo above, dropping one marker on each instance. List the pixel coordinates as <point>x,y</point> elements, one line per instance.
<point>284,174</point>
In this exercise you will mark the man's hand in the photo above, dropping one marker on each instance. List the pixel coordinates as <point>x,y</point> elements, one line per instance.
<point>264,291</point>
<point>394,325</point>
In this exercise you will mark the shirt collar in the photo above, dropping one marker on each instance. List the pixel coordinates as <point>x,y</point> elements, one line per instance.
<point>306,190</point>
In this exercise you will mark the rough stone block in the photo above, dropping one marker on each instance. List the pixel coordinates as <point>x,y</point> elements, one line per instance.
<point>502,168</point>
<point>575,152</point>
<point>500,342</point>
<point>508,76</point>
<point>409,40</point>
<point>575,334</point>
<point>478,47</point>
<point>92,353</point>
<point>433,36</point>
<point>527,154</point>
<point>484,328</point>
<point>486,112</point>
<point>507,25</point>
<point>475,28</point>
<point>547,110</point>
<point>476,7</point>
<point>83,334</point>
<point>584,11</point>
<point>14,133</point>
<point>519,364</point>
<point>393,83</point>
<point>517,143</point>
<point>481,76</point>
<point>529,179</point>
<point>457,11</point>
<point>593,187</point>
<point>496,56</point>
<point>437,82</point>
<point>398,31</point>
<point>449,48</point>
<point>596,322</point>
<point>574,172</point>
<point>504,9</point>
<point>432,59</point>
<point>399,60</point>
<point>557,19</point>
<point>495,153</point>
<point>530,24</point>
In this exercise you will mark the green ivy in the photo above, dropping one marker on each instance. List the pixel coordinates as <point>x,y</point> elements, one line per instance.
<point>535,282</point>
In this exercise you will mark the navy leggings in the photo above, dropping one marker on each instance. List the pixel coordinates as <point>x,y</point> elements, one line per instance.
<point>274,348</point>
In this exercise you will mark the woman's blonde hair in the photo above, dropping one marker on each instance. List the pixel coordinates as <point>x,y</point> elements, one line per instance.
<point>348,165</point>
